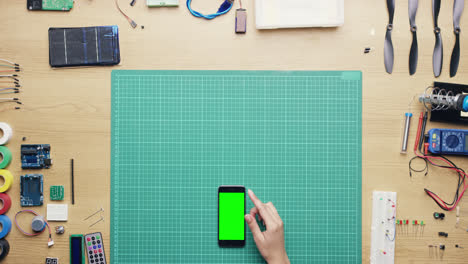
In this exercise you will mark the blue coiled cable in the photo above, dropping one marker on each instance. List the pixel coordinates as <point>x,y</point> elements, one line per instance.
<point>223,9</point>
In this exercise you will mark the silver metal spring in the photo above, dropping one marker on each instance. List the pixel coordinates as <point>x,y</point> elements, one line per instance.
<point>436,99</point>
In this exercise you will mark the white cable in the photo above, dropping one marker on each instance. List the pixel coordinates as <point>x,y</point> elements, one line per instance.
<point>7,133</point>
<point>7,61</point>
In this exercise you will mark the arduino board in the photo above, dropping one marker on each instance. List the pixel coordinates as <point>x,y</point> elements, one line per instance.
<point>31,190</point>
<point>35,156</point>
<point>51,5</point>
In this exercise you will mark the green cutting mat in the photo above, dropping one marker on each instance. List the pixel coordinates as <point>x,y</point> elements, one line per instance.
<point>292,137</point>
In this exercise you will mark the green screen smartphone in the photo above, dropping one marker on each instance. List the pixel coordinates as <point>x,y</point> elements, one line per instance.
<point>231,209</point>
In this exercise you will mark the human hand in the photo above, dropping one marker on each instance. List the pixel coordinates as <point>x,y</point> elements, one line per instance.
<point>270,243</point>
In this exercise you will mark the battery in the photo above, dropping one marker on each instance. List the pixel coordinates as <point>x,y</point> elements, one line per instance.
<point>241,21</point>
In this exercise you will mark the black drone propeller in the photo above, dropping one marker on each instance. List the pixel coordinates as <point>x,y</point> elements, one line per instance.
<point>458,6</point>
<point>413,57</point>
<point>438,56</point>
<point>388,45</point>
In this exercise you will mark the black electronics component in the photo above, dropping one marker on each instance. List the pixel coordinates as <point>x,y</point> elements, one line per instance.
<point>36,156</point>
<point>443,234</point>
<point>77,249</point>
<point>51,261</point>
<point>439,216</point>
<point>72,174</point>
<point>34,4</point>
<point>84,46</point>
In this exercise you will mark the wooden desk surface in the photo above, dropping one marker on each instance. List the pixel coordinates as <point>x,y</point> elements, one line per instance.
<point>70,108</point>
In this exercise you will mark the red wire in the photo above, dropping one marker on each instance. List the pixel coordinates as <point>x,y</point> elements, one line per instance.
<point>438,200</point>
<point>418,133</point>
<point>26,233</point>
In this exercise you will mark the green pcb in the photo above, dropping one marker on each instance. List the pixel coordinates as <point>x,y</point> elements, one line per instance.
<point>64,5</point>
<point>56,192</point>
<point>294,138</point>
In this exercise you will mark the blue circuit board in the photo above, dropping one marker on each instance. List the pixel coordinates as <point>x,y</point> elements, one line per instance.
<point>31,190</point>
<point>35,156</point>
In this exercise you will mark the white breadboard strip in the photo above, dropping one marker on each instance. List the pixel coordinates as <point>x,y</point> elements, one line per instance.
<point>271,14</point>
<point>383,228</point>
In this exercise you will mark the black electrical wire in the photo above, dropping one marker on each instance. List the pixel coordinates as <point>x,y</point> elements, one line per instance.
<point>411,169</point>
<point>460,183</point>
<point>423,131</point>
<point>460,172</point>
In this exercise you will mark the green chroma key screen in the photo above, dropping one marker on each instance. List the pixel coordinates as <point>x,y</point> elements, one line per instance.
<point>231,216</point>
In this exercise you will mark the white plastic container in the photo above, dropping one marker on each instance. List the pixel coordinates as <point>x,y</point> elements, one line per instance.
<point>272,14</point>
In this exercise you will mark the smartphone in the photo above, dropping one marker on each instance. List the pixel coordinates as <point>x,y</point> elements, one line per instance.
<point>76,249</point>
<point>231,210</point>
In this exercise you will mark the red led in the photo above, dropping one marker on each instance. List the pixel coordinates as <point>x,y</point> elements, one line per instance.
<point>89,239</point>
<point>415,222</point>
<point>401,222</point>
<point>407,221</point>
<point>95,251</point>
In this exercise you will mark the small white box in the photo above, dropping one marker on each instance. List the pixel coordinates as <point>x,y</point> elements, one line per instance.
<point>160,3</point>
<point>271,14</point>
<point>57,212</point>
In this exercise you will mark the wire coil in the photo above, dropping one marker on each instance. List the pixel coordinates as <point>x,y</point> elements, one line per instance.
<point>436,99</point>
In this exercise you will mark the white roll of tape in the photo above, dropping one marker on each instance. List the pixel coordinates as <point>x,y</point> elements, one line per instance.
<point>7,133</point>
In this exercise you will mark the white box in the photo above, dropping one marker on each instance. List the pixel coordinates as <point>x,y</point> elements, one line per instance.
<point>161,3</point>
<point>57,212</point>
<point>271,14</point>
